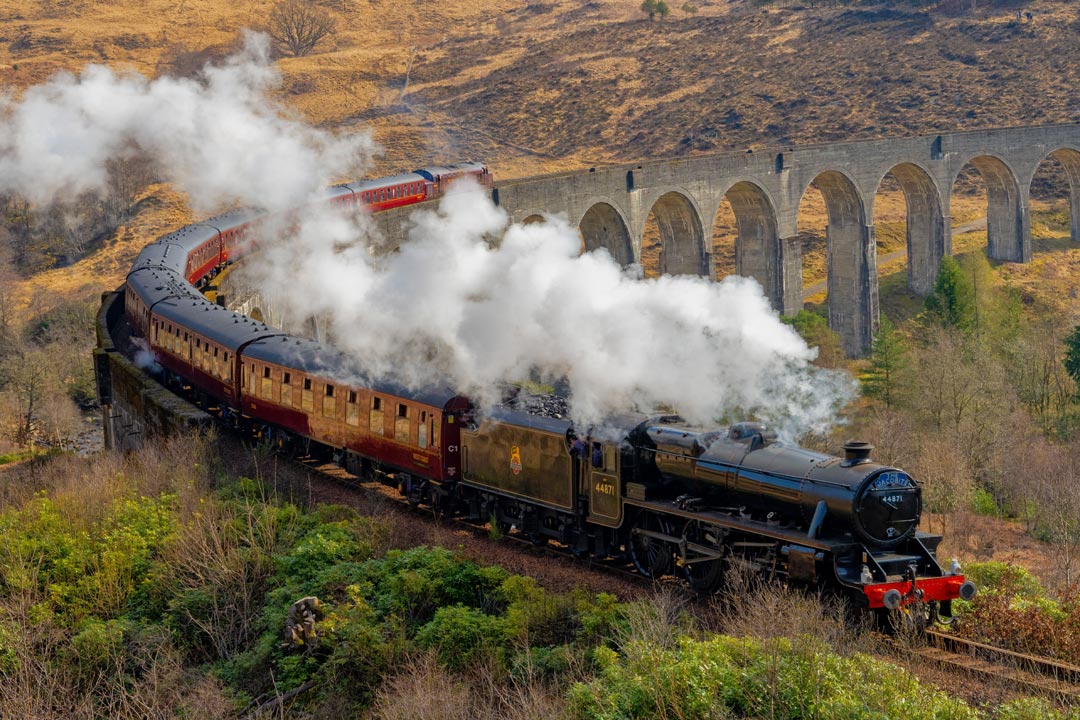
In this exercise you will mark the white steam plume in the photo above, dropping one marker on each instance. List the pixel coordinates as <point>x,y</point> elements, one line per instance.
<point>220,139</point>
<point>449,305</point>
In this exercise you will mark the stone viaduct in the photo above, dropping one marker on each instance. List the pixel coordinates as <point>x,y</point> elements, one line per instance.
<point>610,205</point>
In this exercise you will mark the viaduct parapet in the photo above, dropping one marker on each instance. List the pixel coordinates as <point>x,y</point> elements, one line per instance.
<point>610,205</point>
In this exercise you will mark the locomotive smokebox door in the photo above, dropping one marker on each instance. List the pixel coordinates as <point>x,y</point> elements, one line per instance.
<point>602,472</point>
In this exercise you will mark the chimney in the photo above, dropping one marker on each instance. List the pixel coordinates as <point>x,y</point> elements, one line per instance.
<point>857,451</point>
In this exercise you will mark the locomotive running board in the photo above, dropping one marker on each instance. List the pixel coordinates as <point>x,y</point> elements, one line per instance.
<point>723,520</point>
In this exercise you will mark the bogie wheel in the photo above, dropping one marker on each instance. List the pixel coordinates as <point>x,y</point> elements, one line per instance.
<point>285,444</point>
<point>651,556</point>
<point>703,576</point>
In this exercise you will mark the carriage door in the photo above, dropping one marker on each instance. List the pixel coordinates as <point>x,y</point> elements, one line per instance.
<point>602,471</point>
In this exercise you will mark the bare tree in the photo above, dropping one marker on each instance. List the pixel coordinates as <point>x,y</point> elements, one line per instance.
<point>298,25</point>
<point>26,376</point>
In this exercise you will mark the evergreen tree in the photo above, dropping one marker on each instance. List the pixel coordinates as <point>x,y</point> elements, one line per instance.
<point>888,362</point>
<point>953,300</point>
<point>1072,355</point>
<point>652,8</point>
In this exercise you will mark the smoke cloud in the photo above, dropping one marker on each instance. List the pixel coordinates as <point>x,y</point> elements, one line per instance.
<point>470,299</point>
<point>479,301</point>
<point>220,139</point>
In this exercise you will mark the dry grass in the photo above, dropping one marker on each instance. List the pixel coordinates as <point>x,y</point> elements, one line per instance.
<point>424,690</point>
<point>85,489</point>
<point>750,607</point>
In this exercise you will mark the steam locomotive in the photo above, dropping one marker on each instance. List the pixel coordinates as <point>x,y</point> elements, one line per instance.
<point>674,498</point>
<point>669,497</point>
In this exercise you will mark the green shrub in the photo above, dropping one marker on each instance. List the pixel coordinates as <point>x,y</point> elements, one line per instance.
<point>459,634</point>
<point>547,663</point>
<point>325,545</point>
<point>98,647</point>
<point>536,617</point>
<point>600,617</point>
<point>1012,610</point>
<point>1034,709</point>
<point>983,503</point>
<point>726,677</point>
<point>84,572</point>
<point>414,582</point>
<point>1004,577</point>
<point>9,651</point>
<point>359,652</point>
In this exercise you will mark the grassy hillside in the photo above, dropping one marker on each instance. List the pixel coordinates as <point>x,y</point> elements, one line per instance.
<point>547,85</point>
<point>541,86</point>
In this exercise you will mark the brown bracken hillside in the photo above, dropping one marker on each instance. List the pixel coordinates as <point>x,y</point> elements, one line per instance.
<point>538,86</point>
<point>533,87</point>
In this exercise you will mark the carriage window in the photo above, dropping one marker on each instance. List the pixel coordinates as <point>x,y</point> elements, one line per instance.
<point>286,389</point>
<point>375,419</point>
<point>329,407</point>
<point>352,410</point>
<point>267,389</point>
<point>401,424</point>
<point>307,401</point>
<point>421,431</point>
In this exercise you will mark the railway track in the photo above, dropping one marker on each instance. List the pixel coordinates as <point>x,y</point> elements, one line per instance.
<point>1045,676</point>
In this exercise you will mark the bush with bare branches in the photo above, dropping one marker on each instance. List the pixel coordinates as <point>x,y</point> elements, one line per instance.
<point>297,26</point>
